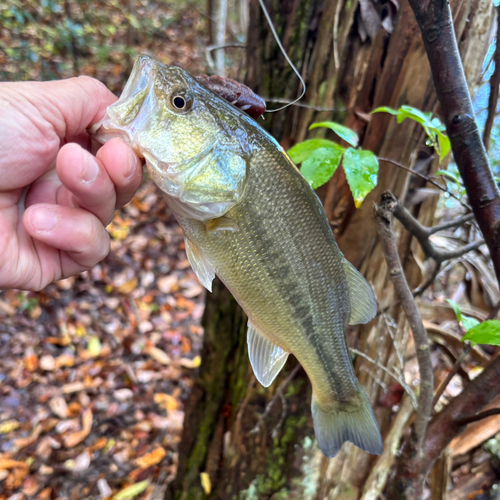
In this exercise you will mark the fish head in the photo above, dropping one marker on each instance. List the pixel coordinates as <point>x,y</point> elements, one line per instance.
<point>196,145</point>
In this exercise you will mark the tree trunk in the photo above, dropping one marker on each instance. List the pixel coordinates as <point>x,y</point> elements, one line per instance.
<point>275,456</point>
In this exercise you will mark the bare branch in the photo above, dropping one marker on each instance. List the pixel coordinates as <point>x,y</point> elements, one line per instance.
<point>494,89</point>
<point>422,234</point>
<point>394,375</point>
<point>466,350</point>
<point>429,281</point>
<point>383,217</point>
<point>452,223</point>
<point>479,416</point>
<point>279,394</point>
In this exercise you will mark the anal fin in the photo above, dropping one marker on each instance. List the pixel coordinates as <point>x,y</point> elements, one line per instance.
<point>202,268</point>
<point>267,359</point>
<point>363,303</point>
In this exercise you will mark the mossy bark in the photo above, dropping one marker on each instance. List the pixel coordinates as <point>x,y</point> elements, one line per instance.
<point>281,460</point>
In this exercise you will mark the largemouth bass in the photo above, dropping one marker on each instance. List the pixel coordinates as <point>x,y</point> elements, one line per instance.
<point>250,218</point>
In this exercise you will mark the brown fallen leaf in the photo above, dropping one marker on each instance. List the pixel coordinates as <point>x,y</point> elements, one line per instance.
<point>158,355</point>
<point>16,477</point>
<point>73,387</point>
<point>166,401</point>
<point>152,458</point>
<point>64,360</point>
<point>9,463</point>
<point>21,443</point>
<point>59,407</point>
<point>190,363</point>
<point>77,437</point>
<point>128,286</point>
<point>30,359</point>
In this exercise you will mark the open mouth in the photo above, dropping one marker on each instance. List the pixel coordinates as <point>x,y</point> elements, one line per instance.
<point>124,111</point>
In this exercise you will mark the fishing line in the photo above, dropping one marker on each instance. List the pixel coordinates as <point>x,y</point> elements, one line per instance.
<point>273,31</point>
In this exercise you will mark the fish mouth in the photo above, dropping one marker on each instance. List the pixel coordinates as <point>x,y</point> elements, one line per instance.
<point>121,115</point>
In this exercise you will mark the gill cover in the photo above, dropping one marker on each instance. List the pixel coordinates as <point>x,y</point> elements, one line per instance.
<point>196,157</point>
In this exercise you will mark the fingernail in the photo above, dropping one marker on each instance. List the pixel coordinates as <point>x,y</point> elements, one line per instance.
<point>132,162</point>
<point>44,219</point>
<point>90,169</point>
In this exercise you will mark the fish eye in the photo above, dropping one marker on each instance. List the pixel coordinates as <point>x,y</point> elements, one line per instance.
<point>181,101</point>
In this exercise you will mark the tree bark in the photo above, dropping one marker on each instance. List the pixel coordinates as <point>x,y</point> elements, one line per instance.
<point>281,460</point>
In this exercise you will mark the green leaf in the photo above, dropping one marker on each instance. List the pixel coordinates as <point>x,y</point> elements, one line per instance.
<point>319,167</point>
<point>458,312</point>
<point>487,332</point>
<point>131,491</point>
<point>467,321</point>
<point>343,132</point>
<point>385,109</point>
<point>361,170</point>
<point>415,114</point>
<point>444,145</point>
<point>303,150</point>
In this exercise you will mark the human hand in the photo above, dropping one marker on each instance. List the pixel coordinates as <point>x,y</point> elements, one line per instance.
<point>56,198</point>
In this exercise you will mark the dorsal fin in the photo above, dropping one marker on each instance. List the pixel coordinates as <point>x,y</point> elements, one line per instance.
<point>266,358</point>
<point>200,264</point>
<point>363,303</point>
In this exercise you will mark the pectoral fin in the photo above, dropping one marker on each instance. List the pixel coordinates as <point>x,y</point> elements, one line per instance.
<point>221,224</point>
<point>363,303</point>
<point>200,264</point>
<point>266,358</point>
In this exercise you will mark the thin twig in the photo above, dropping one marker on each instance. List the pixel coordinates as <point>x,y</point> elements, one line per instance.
<point>494,89</point>
<point>466,350</point>
<point>237,425</point>
<point>274,433</point>
<point>423,233</point>
<point>478,416</point>
<point>429,281</point>
<point>394,375</point>
<point>425,178</point>
<point>393,337</point>
<point>452,223</point>
<point>381,383</point>
<point>271,403</point>
<point>383,217</point>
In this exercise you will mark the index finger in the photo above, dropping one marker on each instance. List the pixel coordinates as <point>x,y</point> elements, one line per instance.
<point>36,118</point>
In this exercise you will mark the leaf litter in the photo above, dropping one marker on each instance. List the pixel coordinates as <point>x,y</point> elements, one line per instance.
<point>94,369</point>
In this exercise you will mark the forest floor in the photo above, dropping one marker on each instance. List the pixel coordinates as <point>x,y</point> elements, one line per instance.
<point>94,369</point>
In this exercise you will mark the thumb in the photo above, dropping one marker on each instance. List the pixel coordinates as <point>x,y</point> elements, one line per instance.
<point>72,105</point>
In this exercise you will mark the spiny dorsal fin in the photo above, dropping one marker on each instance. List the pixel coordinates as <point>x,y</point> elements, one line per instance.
<point>363,303</point>
<point>200,264</point>
<point>266,358</point>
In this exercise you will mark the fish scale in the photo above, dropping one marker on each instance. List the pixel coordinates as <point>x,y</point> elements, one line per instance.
<point>251,218</point>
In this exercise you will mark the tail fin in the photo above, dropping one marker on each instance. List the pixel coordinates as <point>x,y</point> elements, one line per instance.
<point>356,424</point>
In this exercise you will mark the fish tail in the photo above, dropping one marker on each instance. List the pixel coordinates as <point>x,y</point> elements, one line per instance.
<point>355,423</point>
